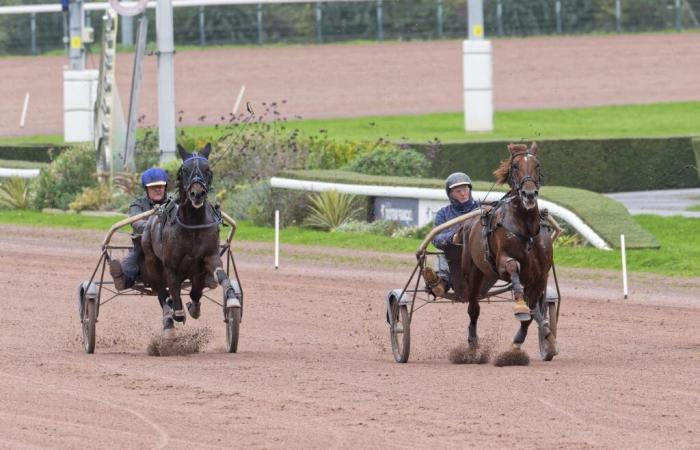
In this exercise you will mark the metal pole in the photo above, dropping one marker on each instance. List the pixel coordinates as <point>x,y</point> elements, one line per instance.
<point>678,16</point>
<point>277,239</point>
<point>618,16</point>
<point>32,28</point>
<point>499,18</point>
<point>260,24</point>
<point>166,80</point>
<point>557,11</point>
<point>202,36</point>
<point>440,30</point>
<point>319,23</point>
<point>127,23</point>
<point>141,37</point>
<point>380,21</point>
<point>76,51</point>
<point>476,19</point>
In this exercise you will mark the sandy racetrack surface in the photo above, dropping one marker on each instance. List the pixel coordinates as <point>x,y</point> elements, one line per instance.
<point>314,368</point>
<point>339,80</point>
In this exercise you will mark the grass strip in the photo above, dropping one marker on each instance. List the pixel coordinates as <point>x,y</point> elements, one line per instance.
<point>650,120</point>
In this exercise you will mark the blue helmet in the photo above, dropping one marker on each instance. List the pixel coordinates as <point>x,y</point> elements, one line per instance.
<point>155,176</point>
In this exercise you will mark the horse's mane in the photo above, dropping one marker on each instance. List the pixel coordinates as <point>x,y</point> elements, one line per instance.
<point>503,170</point>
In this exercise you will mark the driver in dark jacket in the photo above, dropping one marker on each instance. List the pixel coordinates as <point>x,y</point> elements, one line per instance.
<point>459,190</point>
<point>155,183</point>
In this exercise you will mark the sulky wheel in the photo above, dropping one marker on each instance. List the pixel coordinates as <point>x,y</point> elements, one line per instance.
<point>89,321</point>
<point>549,312</point>
<point>400,332</point>
<point>233,323</point>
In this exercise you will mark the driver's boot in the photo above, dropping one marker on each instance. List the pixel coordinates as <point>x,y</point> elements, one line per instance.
<point>115,269</point>
<point>433,282</point>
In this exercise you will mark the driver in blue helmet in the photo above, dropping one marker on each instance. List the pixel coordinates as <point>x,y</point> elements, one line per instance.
<point>155,183</point>
<point>459,190</point>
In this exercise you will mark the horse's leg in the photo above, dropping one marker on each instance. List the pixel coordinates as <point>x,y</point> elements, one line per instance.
<point>474,309</point>
<point>168,324</point>
<point>193,307</point>
<point>214,266</point>
<point>521,309</point>
<point>174,286</point>
<point>521,334</point>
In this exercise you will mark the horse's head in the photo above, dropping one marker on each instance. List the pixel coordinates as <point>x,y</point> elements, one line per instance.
<point>522,173</point>
<point>195,176</point>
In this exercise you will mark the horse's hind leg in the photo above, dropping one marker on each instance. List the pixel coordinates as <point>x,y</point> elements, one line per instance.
<point>168,323</point>
<point>474,309</point>
<point>521,334</point>
<point>222,278</point>
<point>193,307</point>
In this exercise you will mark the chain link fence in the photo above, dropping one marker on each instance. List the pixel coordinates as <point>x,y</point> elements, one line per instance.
<point>403,20</point>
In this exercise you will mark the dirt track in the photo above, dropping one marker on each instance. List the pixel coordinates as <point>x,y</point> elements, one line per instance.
<point>381,78</point>
<point>314,368</point>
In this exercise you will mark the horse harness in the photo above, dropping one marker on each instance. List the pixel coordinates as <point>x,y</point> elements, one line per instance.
<point>489,226</point>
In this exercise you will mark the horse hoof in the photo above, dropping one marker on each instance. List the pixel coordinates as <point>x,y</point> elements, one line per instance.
<point>179,316</point>
<point>194,309</point>
<point>168,334</point>
<point>523,317</point>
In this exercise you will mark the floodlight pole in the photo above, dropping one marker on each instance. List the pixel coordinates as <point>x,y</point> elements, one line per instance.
<point>477,73</point>
<point>166,80</point>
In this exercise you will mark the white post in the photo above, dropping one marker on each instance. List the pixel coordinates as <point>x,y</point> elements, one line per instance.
<point>238,100</point>
<point>24,110</point>
<point>624,265</point>
<point>477,76</point>
<point>277,239</point>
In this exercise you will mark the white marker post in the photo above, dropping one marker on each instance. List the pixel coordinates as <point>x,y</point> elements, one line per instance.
<point>624,265</point>
<point>277,239</point>
<point>238,100</point>
<point>24,110</point>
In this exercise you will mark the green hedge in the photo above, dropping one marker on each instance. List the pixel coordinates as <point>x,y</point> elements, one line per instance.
<point>605,165</point>
<point>30,152</point>
<point>609,218</point>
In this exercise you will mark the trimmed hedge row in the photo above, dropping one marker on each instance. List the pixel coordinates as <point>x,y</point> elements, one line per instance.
<point>609,218</point>
<point>31,152</point>
<point>599,165</point>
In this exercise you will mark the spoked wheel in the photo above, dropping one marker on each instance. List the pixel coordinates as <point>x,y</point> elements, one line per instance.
<point>400,332</point>
<point>89,321</point>
<point>233,323</point>
<point>549,312</point>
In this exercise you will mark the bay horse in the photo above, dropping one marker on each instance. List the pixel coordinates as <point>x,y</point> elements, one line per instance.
<point>508,243</point>
<point>181,242</point>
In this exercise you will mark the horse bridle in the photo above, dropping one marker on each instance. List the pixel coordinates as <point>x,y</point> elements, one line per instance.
<point>197,176</point>
<point>519,185</point>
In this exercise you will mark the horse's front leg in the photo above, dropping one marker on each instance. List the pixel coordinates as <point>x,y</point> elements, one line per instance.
<point>471,293</point>
<point>214,266</point>
<point>511,267</point>
<point>174,287</point>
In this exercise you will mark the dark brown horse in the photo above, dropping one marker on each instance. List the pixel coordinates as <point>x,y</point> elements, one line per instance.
<point>508,243</point>
<point>182,242</point>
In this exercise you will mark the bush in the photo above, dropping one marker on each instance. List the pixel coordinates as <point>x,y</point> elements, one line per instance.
<point>71,171</point>
<point>391,161</point>
<point>101,198</point>
<point>258,202</point>
<point>326,153</point>
<point>599,165</point>
<point>14,193</point>
<point>331,209</point>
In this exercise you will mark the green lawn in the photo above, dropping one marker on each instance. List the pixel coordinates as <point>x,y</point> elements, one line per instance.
<point>17,164</point>
<point>654,120</point>
<point>679,239</point>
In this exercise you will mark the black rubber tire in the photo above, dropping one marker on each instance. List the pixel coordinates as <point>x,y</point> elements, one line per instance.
<point>549,311</point>
<point>233,316</point>
<point>401,341</point>
<point>89,321</point>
